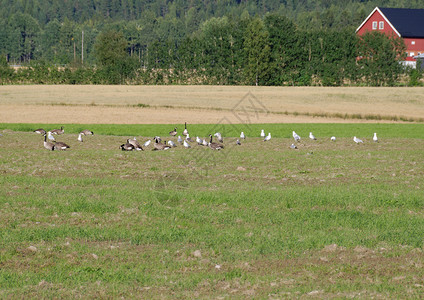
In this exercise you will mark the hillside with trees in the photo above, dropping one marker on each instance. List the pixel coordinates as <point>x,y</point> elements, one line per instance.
<point>285,42</point>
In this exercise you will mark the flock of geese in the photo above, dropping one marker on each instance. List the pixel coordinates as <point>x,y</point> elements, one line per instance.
<point>52,144</point>
<point>132,144</point>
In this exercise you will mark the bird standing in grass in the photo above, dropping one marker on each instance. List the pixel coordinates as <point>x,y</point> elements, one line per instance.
<point>180,140</point>
<point>268,137</point>
<point>61,146</point>
<point>311,136</point>
<point>242,136</point>
<point>135,143</point>
<point>356,140</point>
<point>296,137</point>
<point>215,146</point>
<point>58,131</point>
<point>238,142</point>
<point>40,131</point>
<point>375,139</point>
<point>262,133</point>
<point>127,147</point>
<point>172,144</point>
<point>87,132</point>
<point>48,145</point>
<point>147,143</point>
<point>293,146</point>
<point>50,136</point>
<point>80,138</point>
<point>173,132</point>
<point>185,132</point>
<point>333,138</point>
<point>186,144</point>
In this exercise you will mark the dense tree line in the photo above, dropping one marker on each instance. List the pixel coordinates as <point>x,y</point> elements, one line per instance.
<point>286,42</point>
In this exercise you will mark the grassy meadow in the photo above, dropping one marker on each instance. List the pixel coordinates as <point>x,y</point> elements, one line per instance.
<point>260,220</point>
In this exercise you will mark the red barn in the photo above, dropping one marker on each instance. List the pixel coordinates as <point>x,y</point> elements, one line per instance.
<point>401,22</point>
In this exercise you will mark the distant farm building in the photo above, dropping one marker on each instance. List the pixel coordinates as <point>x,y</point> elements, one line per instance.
<point>401,22</point>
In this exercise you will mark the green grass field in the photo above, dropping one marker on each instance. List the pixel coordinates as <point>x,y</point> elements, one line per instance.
<point>260,220</point>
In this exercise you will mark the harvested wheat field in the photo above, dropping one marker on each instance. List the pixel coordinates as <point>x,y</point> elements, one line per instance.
<point>207,104</point>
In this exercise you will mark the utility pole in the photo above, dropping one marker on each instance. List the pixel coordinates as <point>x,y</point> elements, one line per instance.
<point>82,48</point>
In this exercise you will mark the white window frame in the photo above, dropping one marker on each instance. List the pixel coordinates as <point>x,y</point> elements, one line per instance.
<point>381,25</point>
<point>412,42</point>
<point>412,54</point>
<point>374,25</point>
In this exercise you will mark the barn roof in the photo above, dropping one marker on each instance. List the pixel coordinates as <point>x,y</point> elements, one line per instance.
<point>408,22</point>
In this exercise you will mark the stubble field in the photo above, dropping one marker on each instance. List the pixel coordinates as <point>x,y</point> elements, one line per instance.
<point>260,220</point>
<point>207,104</point>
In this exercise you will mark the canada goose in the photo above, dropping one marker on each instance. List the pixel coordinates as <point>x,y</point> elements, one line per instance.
<point>40,131</point>
<point>262,133</point>
<point>48,145</point>
<point>58,131</point>
<point>375,139</point>
<point>147,143</point>
<point>172,144</point>
<point>158,146</point>
<point>187,145</point>
<point>61,146</point>
<point>238,142</point>
<point>173,132</point>
<point>50,136</point>
<point>268,137</point>
<point>127,147</point>
<point>188,138</point>
<point>293,146</point>
<point>242,136</point>
<point>215,146</point>
<point>356,140</point>
<point>86,132</point>
<point>185,132</point>
<point>135,143</point>
<point>158,139</point>
<point>80,137</point>
<point>311,136</point>
<point>296,137</point>
<point>333,138</point>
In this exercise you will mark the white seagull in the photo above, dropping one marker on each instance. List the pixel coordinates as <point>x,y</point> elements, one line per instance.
<point>205,143</point>
<point>311,136</point>
<point>356,140</point>
<point>375,139</point>
<point>242,136</point>
<point>238,142</point>
<point>147,143</point>
<point>80,137</point>
<point>50,136</point>
<point>262,133</point>
<point>187,145</point>
<point>293,146</point>
<point>268,137</point>
<point>172,144</point>
<point>333,138</point>
<point>180,140</point>
<point>296,136</point>
<point>199,141</point>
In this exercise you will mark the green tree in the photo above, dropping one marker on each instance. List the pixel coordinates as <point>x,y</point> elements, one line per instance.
<point>258,52</point>
<point>116,66</point>
<point>380,57</point>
